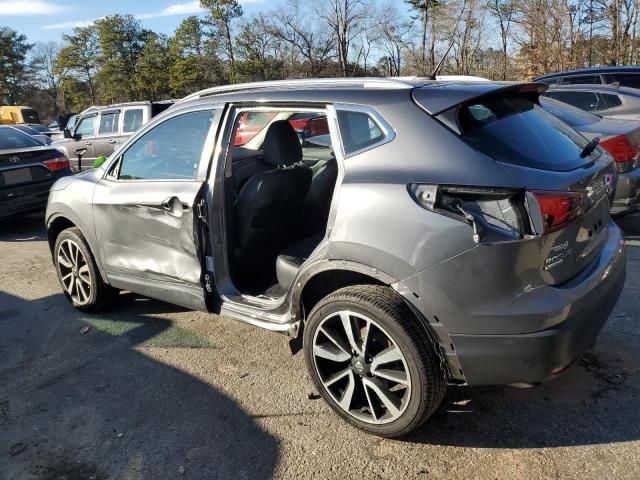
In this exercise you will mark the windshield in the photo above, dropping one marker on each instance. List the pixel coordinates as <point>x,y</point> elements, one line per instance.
<point>515,129</point>
<point>10,139</point>
<point>570,115</point>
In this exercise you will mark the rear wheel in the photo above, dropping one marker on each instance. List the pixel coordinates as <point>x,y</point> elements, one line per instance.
<point>372,361</point>
<point>77,272</point>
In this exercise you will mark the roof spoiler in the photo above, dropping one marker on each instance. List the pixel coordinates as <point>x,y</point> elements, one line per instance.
<point>437,97</point>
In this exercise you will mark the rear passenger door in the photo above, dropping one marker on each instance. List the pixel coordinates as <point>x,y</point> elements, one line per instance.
<point>144,207</point>
<point>108,133</point>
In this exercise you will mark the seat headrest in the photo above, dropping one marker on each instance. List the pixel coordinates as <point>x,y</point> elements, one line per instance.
<point>281,144</point>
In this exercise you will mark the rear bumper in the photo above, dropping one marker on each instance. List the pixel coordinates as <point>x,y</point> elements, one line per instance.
<point>26,198</point>
<point>502,334</point>
<point>627,197</point>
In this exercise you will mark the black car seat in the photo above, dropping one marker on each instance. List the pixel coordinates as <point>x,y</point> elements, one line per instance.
<point>268,209</point>
<point>318,201</point>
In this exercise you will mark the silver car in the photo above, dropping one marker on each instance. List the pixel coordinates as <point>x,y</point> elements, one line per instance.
<point>444,233</point>
<point>607,100</point>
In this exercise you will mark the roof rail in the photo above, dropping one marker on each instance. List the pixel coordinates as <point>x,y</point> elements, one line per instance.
<point>364,82</point>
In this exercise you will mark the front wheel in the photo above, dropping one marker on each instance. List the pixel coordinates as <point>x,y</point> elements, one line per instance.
<point>372,361</point>
<point>78,274</point>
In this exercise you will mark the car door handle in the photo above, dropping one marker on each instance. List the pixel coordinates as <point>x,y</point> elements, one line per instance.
<point>111,141</point>
<point>174,206</point>
<point>87,143</point>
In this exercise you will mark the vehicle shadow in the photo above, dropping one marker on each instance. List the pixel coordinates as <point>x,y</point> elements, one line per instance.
<point>78,400</point>
<point>593,402</point>
<point>23,229</point>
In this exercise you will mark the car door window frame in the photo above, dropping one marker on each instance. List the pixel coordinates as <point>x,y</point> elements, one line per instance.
<point>85,117</point>
<point>389,133</point>
<point>109,112</point>
<point>206,155</point>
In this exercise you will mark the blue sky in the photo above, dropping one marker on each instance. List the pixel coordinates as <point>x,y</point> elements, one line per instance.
<point>45,20</point>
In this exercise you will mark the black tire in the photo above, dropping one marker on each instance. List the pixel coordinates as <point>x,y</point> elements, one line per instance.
<point>101,294</point>
<point>382,305</point>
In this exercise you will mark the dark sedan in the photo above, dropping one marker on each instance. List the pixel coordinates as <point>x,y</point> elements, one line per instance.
<point>27,170</point>
<point>621,138</point>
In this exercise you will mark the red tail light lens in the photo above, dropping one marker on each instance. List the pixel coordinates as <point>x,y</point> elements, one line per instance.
<point>622,151</point>
<point>558,208</point>
<point>55,164</point>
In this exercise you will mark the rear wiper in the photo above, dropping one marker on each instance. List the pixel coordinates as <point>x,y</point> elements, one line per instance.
<point>589,147</point>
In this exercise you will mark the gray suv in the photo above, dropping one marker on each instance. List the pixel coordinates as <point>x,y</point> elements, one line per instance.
<point>406,234</point>
<point>99,130</point>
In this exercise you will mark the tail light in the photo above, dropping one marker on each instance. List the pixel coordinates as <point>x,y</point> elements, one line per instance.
<point>626,155</point>
<point>498,214</point>
<point>55,164</point>
<point>555,209</point>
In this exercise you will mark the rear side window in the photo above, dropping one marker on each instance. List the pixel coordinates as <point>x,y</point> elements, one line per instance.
<point>358,131</point>
<point>515,129</point>
<point>611,100</point>
<point>169,151</point>
<point>109,122</point>
<point>10,138</point>
<point>627,79</point>
<point>570,115</point>
<point>132,120</point>
<point>581,80</point>
<point>585,100</point>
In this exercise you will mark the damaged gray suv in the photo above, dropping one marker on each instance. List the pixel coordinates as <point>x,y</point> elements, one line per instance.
<point>406,234</point>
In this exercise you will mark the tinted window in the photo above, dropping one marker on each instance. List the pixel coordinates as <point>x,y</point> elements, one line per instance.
<point>358,130</point>
<point>30,115</point>
<point>171,150</point>
<point>109,122</point>
<point>517,130</point>
<point>581,80</point>
<point>549,81</point>
<point>10,138</point>
<point>570,115</point>
<point>87,126</point>
<point>627,79</point>
<point>132,120</point>
<point>611,100</point>
<point>584,100</point>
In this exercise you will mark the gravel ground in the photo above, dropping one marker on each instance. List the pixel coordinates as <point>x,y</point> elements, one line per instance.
<point>152,391</point>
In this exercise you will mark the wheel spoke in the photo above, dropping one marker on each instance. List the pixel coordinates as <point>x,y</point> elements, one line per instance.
<point>388,399</point>
<point>347,324</point>
<point>373,411</point>
<point>393,375</point>
<point>77,252</point>
<point>347,395</point>
<point>82,293</point>
<point>336,340</point>
<point>330,352</point>
<point>366,338</point>
<point>70,288</point>
<point>336,376</point>
<point>84,275</point>
<point>388,355</point>
<point>63,258</point>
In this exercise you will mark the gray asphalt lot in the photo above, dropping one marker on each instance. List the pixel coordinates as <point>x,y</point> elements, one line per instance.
<point>152,391</point>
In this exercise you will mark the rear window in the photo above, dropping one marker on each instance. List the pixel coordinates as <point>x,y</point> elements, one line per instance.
<point>30,115</point>
<point>585,100</point>
<point>581,80</point>
<point>627,79</point>
<point>10,139</point>
<point>611,100</point>
<point>515,129</point>
<point>570,115</point>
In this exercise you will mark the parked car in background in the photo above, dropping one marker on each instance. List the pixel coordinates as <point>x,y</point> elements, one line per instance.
<point>27,170</point>
<point>99,130</point>
<point>18,114</point>
<point>608,101</point>
<point>252,123</point>
<point>443,234</point>
<point>624,76</point>
<point>29,130</point>
<point>621,138</point>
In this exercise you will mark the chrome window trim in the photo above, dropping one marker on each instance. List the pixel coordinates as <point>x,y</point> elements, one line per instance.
<point>389,133</point>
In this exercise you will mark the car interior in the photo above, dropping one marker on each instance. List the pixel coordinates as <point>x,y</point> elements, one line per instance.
<point>279,185</point>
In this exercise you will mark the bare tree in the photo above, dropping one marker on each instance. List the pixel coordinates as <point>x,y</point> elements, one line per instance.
<point>503,11</point>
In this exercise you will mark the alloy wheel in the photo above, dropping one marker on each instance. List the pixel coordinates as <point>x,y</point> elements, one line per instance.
<point>74,272</point>
<point>361,367</point>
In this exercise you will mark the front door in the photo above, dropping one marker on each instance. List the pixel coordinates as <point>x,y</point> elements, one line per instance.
<point>84,135</point>
<point>145,210</point>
